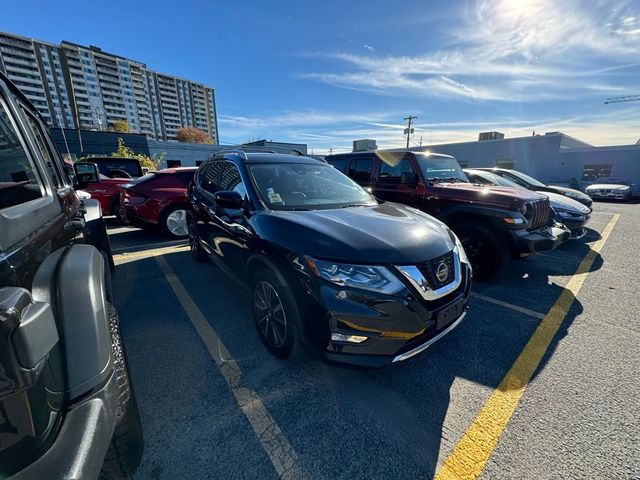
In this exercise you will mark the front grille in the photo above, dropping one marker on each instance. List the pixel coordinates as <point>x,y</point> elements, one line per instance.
<point>538,213</point>
<point>429,270</point>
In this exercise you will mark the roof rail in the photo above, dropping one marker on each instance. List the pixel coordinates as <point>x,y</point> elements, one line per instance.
<point>241,153</point>
<point>295,151</point>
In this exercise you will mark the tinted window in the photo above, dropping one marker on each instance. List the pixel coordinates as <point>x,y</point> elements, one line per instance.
<point>360,169</point>
<point>113,167</point>
<point>231,179</point>
<point>340,164</point>
<point>18,180</point>
<point>392,173</point>
<point>210,177</point>
<point>44,150</point>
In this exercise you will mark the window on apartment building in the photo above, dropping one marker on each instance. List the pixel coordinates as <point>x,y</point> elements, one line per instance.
<point>593,172</point>
<point>505,163</point>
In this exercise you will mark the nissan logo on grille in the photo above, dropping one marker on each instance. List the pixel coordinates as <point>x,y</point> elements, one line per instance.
<point>442,272</point>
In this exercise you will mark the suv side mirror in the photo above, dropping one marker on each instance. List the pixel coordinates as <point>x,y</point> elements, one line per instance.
<point>409,178</point>
<point>228,200</point>
<point>85,174</point>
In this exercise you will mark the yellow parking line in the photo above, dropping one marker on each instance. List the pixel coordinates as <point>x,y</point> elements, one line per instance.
<point>121,258</point>
<point>471,454</point>
<point>280,452</point>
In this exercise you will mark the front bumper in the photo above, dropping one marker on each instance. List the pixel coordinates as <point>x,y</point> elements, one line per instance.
<point>609,195</point>
<point>82,443</point>
<point>542,239</point>
<point>396,328</point>
<point>576,225</point>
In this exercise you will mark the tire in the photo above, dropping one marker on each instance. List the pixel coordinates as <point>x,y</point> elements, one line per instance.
<point>125,451</point>
<point>275,314</point>
<point>173,221</point>
<point>488,253</point>
<point>114,208</point>
<point>198,254</point>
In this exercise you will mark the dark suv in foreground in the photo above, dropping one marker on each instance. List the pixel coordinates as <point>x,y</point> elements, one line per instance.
<point>493,223</point>
<point>67,409</point>
<point>364,282</point>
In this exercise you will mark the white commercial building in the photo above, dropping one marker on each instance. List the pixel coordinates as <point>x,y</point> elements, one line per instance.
<point>553,157</point>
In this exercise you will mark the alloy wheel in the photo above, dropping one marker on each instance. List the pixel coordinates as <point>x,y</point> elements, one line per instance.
<point>271,319</point>
<point>177,223</point>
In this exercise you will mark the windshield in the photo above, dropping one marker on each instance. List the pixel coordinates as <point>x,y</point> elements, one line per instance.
<point>301,186</point>
<point>115,167</point>
<point>530,180</point>
<point>435,167</point>
<point>613,180</point>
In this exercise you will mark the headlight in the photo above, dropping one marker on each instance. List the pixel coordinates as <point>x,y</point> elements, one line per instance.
<point>461,252</point>
<point>366,277</point>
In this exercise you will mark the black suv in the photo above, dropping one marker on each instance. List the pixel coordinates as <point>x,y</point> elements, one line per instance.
<point>364,282</point>
<point>67,409</point>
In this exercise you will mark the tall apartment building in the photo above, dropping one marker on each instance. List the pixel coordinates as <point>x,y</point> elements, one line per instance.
<point>76,86</point>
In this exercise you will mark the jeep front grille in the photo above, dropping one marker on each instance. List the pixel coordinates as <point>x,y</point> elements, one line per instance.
<point>538,213</point>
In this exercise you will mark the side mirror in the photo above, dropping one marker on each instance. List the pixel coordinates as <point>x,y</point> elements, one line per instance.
<point>229,200</point>
<point>409,178</point>
<point>85,173</point>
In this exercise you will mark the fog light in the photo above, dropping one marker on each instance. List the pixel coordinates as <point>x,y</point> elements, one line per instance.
<point>339,337</point>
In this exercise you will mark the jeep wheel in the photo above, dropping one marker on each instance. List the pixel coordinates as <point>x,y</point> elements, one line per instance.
<point>125,451</point>
<point>487,251</point>
<point>275,314</point>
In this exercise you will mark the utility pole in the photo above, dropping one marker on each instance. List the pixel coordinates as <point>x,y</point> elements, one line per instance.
<point>331,151</point>
<point>420,140</point>
<point>408,131</point>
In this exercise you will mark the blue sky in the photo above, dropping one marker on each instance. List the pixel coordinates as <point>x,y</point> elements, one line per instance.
<point>326,73</point>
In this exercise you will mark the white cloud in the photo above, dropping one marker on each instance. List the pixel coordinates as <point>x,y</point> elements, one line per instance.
<point>502,47</point>
<point>369,47</point>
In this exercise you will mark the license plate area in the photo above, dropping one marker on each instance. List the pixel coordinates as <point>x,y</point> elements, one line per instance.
<point>449,314</point>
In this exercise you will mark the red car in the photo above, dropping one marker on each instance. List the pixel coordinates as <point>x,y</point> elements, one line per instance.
<point>158,199</point>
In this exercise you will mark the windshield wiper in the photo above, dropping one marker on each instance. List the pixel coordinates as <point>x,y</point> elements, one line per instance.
<point>349,205</point>
<point>446,179</point>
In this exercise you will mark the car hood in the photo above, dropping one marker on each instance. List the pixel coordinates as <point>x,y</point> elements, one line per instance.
<point>569,190</point>
<point>562,202</point>
<point>493,195</point>
<point>608,186</point>
<point>382,234</point>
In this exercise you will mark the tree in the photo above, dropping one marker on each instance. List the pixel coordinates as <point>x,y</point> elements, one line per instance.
<point>151,162</point>
<point>120,126</point>
<point>192,135</point>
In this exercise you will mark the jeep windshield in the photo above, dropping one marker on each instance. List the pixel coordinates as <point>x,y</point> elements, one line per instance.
<point>438,168</point>
<point>302,186</point>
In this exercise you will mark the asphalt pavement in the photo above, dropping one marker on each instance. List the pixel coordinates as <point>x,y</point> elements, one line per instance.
<point>215,404</point>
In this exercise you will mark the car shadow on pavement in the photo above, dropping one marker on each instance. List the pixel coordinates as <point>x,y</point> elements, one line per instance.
<point>396,422</point>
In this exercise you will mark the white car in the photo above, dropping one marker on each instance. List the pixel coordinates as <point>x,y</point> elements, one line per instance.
<point>614,188</point>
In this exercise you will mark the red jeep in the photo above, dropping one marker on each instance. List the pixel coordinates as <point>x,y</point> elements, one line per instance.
<point>114,172</point>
